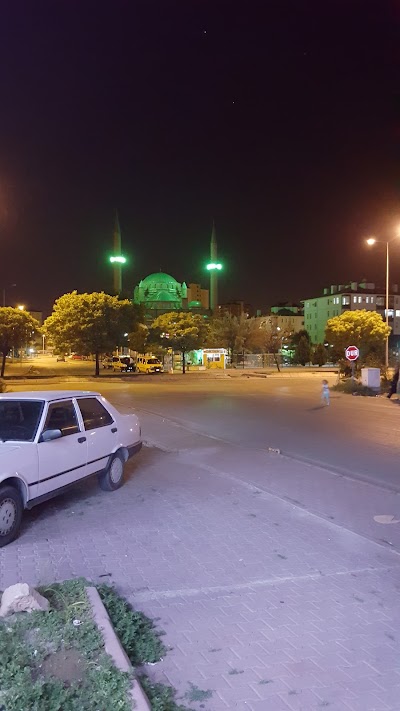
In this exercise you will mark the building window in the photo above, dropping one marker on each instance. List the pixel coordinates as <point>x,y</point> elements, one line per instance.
<point>354,299</point>
<point>367,299</point>
<point>397,312</point>
<point>380,300</point>
<point>372,299</point>
<point>359,299</point>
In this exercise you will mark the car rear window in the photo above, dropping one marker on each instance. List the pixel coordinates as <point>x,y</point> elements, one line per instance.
<point>154,361</point>
<point>94,414</point>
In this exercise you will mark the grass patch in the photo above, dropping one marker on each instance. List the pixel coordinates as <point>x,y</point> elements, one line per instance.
<point>136,632</point>
<point>142,644</point>
<point>161,697</point>
<point>354,387</point>
<point>50,664</point>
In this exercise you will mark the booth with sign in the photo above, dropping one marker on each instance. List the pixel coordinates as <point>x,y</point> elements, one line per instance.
<point>215,357</point>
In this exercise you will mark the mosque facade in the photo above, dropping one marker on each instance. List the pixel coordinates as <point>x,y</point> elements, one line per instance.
<point>160,293</point>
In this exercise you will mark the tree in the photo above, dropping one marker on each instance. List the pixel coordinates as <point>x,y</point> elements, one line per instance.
<point>138,339</point>
<point>364,329</point>
<point>182,331</point>
<point>91,323</point>
<point>270,337</point>
<point>298,335</point>
<point>319,356</point>
<point>16,329</point>
<point>302,352</point>
<point>236,334</point>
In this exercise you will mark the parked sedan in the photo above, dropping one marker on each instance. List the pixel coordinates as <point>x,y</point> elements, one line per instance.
<point>51,440</point>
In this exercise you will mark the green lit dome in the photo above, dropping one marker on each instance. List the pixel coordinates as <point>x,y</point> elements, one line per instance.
<point>159,278</point>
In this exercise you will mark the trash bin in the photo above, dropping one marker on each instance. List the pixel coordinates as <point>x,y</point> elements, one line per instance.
<point>371,378</point>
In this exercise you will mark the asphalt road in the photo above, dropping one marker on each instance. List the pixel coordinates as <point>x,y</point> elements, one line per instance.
<point>356,436</point>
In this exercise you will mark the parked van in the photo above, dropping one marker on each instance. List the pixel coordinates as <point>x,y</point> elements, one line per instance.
<point>124,364</point>
<point>148,364</point>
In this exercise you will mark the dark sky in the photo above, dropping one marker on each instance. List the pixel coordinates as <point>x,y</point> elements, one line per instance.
<point>280,119</point>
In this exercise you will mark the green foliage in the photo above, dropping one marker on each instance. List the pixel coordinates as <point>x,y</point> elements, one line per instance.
<point>361,328</point>
<point>302,352</point>
<point>181,331</point>
<point>161,697</point>
<point>354,387</point>
<point>91,323</point>
<point>29,640</point>
<point>298,335</point>
<point>236,334</point>
<point>16,329</point>
<point>135,631</point>
<point>319,355</point>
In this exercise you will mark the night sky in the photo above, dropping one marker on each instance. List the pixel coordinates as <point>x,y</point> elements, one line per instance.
<point>279,119</point>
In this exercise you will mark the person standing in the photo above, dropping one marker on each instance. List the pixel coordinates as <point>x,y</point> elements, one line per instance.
<point>394,382</point>
<point>325,395</point>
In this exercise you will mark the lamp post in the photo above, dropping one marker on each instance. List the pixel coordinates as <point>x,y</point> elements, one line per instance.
<point>371,241</point>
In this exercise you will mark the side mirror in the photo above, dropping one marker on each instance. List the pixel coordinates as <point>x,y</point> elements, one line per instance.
<point>49,435</point>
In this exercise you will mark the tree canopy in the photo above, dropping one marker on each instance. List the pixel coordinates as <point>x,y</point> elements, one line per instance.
<point>235,333</point>
<point>181,331</point>
<point>361,328</point>
<point>91,323</point>
<point>16,329</point>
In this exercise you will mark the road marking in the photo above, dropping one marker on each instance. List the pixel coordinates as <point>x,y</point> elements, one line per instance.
<point>263,583</point>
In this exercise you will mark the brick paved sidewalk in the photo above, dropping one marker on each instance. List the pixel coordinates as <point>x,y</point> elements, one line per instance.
<point>265,606</point>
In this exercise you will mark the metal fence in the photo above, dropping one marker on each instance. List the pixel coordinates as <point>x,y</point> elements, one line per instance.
<point>255,360</point>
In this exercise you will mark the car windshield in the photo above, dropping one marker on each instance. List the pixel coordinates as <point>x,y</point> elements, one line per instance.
<point>19,419</point>
<point>153,361</point>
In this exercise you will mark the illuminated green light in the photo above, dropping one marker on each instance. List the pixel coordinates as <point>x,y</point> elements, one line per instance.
<point>120,260</point>
<point>214,266</point>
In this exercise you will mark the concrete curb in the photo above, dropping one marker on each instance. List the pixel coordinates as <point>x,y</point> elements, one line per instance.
<point>115,649</point>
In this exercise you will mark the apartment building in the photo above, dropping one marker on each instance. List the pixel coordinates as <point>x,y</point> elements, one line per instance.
<point>350,297</point>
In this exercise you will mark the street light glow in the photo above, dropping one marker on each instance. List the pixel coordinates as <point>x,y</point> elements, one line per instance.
<point>119,260</point>
<point>371,241</point>
<point>21,307</point>
<point>214,266</point>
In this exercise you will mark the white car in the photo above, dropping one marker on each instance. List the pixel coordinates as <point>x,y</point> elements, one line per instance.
<point>50,440</point>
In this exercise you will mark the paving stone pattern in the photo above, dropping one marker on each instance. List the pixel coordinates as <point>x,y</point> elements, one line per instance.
<point>264,606</point>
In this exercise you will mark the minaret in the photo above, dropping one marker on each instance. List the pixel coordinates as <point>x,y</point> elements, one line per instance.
<point>117,266</point>
<point>213,271</point>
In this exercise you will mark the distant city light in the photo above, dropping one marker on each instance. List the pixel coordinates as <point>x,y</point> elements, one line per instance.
<point>120,260</point>
<point>214,266</point>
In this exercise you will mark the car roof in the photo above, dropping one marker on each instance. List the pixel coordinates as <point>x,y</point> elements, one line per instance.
<point>48,395</point>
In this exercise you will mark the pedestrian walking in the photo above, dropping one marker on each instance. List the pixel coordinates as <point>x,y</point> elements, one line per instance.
<point>394,382</point>
<point>325,395</point>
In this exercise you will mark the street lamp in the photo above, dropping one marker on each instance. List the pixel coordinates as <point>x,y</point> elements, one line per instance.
<point>371,241</point>
<point>21,307</point>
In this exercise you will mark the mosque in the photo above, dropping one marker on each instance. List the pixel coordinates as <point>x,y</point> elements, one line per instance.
<point>160,293</point>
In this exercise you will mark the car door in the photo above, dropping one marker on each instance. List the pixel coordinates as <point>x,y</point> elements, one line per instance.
<point>63,460</point>
<point>100,430</point>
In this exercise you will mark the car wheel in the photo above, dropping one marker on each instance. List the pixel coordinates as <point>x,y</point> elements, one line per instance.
<point>11,509</point>
<point>112,478</point>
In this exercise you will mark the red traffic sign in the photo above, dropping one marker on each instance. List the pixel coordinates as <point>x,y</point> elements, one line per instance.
<point>352,353</point>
